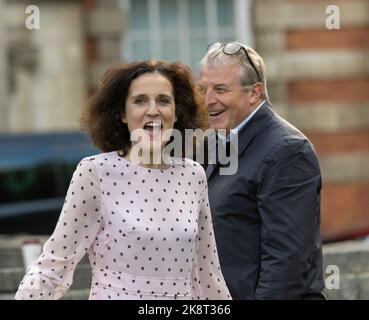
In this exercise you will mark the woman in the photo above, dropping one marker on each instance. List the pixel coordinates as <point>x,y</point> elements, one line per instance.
<point>145,226</point>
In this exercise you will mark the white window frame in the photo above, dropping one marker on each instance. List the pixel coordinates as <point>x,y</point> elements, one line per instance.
<point>242,28</point>
<point>243,19</point>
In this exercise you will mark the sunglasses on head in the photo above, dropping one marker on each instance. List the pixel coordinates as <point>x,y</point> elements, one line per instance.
<point>232,48</point>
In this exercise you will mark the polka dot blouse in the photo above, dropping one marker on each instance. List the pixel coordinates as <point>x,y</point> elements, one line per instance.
<point>147,232</point>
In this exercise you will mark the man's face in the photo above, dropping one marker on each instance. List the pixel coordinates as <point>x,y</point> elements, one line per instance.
<point>227,101</point>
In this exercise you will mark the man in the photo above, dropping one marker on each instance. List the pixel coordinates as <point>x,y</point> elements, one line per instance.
<point>267,215</point>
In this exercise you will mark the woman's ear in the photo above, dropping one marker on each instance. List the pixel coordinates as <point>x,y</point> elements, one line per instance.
<point>175,119</point>
<point>124,119</point>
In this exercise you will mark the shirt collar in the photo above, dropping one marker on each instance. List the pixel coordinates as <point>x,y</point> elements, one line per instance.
<point>234,132</point>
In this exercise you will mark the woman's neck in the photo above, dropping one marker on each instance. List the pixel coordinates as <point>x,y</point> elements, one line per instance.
<point>150,162</point>
<point>162,166</point>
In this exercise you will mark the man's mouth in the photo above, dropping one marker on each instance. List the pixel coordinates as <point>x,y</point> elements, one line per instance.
<point>215,113</point>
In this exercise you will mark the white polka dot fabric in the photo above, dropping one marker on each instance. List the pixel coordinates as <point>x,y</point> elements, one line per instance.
<point>148,234</point>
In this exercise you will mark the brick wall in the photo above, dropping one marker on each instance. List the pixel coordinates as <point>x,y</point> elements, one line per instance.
<point>319,80</point>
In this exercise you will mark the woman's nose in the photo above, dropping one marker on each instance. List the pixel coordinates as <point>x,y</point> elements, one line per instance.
<point>153,110</point>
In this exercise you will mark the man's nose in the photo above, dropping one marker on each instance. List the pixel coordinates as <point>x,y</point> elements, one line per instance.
<point>209,97</point>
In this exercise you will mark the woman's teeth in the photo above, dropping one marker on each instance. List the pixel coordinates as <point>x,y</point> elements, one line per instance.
<point>153,126</point>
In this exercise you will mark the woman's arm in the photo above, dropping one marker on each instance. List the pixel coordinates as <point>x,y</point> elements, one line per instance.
<point>207,278</point>
<point>51,275</point>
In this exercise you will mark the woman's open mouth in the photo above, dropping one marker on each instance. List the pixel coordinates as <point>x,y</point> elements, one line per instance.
<point>153,128</point>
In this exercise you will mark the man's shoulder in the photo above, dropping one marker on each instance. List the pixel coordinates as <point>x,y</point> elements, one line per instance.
<point>283,141</point>
<point>278,138</point>
<point>279,129</point>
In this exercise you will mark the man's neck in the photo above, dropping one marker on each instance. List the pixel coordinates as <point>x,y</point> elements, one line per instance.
<point>256,107</point>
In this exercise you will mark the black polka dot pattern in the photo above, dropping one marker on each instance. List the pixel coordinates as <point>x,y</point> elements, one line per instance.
<point>148,234</point>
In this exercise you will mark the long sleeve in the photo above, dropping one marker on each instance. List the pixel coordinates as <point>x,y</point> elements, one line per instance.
<point>207,278</point>
<point>289,206</point>
<point>51,275</point>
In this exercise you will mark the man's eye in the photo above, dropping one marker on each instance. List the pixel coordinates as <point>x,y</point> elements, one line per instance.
<point>220,90</point>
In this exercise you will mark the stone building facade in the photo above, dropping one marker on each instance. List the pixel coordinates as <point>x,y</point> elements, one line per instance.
<point>48,72</point>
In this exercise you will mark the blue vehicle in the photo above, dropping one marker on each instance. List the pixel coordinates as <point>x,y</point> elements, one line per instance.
<point>35,172</point>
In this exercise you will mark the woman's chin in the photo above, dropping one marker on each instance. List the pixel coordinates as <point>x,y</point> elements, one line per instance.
<point>155,147</point>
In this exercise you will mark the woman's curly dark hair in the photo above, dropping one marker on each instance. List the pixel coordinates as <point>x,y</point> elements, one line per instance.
<point>101,118</point>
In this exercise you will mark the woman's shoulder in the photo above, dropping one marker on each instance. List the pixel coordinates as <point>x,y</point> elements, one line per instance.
<point>100,160</point>
<point>104,157</point>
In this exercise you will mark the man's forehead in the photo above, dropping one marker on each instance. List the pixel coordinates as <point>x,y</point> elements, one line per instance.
<point>219,74</point>
<point>220,67</point>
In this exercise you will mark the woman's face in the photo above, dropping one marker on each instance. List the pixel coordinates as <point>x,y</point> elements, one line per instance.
<point>150,110</point>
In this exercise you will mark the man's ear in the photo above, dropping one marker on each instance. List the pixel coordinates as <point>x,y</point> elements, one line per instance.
<point>256,92</point>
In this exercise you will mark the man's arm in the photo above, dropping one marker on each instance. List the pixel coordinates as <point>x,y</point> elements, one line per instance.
<point>289,206</point>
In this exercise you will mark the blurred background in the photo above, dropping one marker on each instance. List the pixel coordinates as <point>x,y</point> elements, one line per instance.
<point>318,79</point>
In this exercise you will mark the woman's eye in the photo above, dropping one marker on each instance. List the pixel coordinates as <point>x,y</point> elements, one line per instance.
<point>164,101</point>
<point>139,101</point>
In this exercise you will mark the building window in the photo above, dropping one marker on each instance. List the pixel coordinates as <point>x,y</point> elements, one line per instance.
<point>176,30</point>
